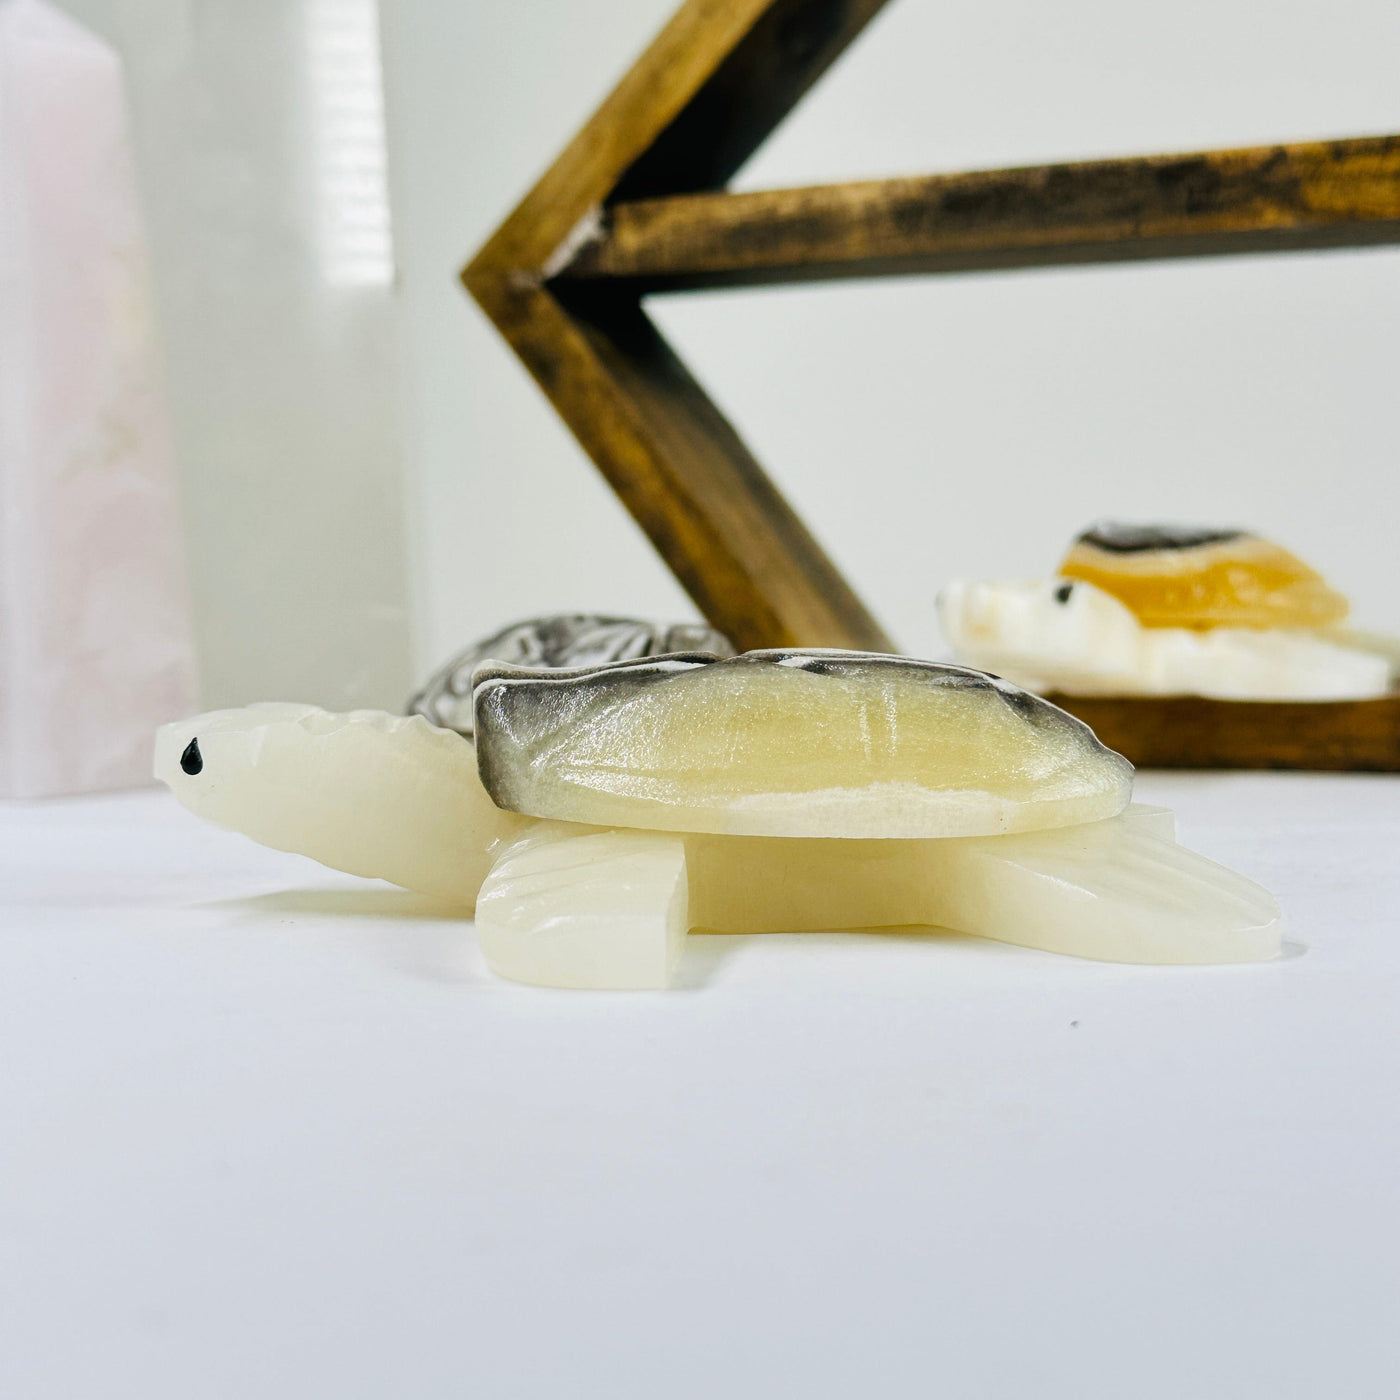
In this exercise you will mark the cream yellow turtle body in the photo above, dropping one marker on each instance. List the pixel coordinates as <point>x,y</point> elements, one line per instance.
<point>605,812</point>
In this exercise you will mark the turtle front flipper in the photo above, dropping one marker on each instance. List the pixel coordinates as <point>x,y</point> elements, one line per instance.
<point>575,906</point>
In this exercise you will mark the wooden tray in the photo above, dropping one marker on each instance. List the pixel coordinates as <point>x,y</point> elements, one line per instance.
<point>1186,732</point>
<point>636,204</point>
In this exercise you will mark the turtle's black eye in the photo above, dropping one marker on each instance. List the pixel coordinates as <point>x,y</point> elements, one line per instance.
<point>1063,591</point>
<point>192,761</point>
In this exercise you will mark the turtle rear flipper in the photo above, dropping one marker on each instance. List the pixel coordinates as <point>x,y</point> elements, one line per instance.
<point>1115,891</point>
<point>1119,890</point>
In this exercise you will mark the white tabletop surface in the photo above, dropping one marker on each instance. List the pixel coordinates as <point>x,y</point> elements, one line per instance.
<point>268,1131</point>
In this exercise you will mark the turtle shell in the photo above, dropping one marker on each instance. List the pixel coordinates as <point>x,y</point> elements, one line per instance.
<point>1200,577</point>
<point>565,639</point>
<point>790,743</point>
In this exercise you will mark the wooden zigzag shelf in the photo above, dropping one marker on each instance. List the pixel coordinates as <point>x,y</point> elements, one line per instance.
<point>636,204</point>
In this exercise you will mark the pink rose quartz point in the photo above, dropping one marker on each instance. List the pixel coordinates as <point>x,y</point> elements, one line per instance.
<point>95,635</point>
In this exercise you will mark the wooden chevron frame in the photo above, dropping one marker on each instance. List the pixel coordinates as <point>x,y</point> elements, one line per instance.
<point>636,204</point>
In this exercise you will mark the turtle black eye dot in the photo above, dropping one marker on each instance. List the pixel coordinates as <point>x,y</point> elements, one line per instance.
<point>1063,591</point>
<point>192,761</point>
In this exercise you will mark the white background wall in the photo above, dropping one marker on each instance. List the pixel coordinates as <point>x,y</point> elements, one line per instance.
<point>926,427</point>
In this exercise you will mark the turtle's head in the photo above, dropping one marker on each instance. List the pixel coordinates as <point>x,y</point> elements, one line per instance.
<point>210,761</point>
<point>374,794</point>
<point>1033,630</point>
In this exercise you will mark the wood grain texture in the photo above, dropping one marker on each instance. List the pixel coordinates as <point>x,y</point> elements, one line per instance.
<point>1319,195</point>
<point>682,472</point>
<point>675,68</point>
<point>634,204</point>
<point>1187,732</point>
<point>679,467</point>
<point>759,82</point>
